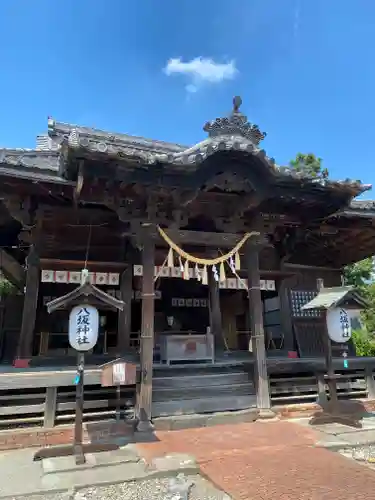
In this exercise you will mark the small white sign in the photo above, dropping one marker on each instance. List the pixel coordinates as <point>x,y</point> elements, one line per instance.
<point>83,327</point>
<point>338,325</point>
<point>118,373</point>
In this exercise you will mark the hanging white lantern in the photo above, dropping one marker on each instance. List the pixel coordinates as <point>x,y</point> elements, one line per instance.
<point>83,327</point>
<point>338,325</point>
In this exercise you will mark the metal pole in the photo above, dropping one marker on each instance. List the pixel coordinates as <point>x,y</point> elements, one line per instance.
<point>78,427</point>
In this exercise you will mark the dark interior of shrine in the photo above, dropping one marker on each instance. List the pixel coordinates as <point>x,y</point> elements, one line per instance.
<point>180,306</point>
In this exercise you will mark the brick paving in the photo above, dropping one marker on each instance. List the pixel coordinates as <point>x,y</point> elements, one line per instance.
<point>273,460</point>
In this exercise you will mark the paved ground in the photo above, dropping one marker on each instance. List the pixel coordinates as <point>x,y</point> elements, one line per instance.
<point>111,475</point>
<point>262,460</point>
<point>155,489</point>
<point>273,460</point>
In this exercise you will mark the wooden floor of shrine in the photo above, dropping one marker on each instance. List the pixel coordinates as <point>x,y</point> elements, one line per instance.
<point>43,369</point>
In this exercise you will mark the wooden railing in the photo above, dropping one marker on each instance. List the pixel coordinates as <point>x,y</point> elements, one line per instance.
<point>34,399</point>
<point>47,398</point>
<point>308,385</point>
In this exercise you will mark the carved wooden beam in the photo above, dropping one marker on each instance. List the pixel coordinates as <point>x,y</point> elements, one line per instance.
<point>22,210</point>
<point>80,181</point>
<point>231,225</point>
<point>247,203</point>
<point>188,196</point>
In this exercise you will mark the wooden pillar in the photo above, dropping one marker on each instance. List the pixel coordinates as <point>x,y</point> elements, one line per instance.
<point>144,394</point>
<point>30,304</point>
<point>125,316</point>
<point>286,313</point>
<point>257,331</point>
<point>215,311</point>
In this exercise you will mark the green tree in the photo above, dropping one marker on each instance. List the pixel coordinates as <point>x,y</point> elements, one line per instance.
<point>309,164</point>
<point>360,273</point>
<point>368,314</point>
<point>364,343</point>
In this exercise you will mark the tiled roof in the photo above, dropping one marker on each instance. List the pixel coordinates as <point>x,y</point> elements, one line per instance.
<point>333,297</point>
<point>232,133</point>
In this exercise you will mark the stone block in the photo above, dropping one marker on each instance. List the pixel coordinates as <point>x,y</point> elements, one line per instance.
<point>188,422</point>
<point>175,462</point>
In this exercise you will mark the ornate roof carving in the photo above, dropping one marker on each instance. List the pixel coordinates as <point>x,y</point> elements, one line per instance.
<point>32,164</point>
<point>114,141</point>
<point>362,205</point>
<point>233,133</point>
<point>198,153</point>
<point>235,124</point>
<point>359,208</point>
<point>30,158</point>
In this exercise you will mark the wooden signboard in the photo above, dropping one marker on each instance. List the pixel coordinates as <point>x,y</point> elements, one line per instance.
<point>118,373</point>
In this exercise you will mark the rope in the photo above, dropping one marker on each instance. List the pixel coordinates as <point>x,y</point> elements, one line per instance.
<point>88,245</point>
<point>161,270</point>
<point>238,277</point>
<point>206,262</point>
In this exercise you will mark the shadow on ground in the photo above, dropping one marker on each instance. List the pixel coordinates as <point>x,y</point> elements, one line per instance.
<point>350,413</point>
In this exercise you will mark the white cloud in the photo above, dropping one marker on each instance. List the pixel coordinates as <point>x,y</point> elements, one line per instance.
<point>201,70</point>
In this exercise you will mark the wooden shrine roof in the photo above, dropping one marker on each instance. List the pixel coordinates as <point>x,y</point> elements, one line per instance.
<point>233,134</point>
<point>227,178</point>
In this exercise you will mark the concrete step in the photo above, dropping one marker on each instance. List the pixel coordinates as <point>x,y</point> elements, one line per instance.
<point>202,405</point>
<point>193,380</point>
<point>39,483</point>
<point>191,421</point>
<point>217,391</point>
<point>67,464</point>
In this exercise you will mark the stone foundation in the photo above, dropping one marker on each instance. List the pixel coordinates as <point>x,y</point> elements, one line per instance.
<point>95,432</point>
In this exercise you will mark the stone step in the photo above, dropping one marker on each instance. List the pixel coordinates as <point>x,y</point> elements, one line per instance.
<point>193,380</point>
<point>191,421</point>
<point>161,371</point>
<point>217,391</point>
<point>202,405</point>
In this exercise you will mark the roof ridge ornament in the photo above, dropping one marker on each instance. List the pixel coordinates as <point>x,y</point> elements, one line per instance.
<point>73,138</point>
<point>235,124</point>
<point>51,126</point>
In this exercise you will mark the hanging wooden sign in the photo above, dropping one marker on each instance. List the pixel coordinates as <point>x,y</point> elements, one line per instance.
<point>118,372</point>
<point>74,277</point>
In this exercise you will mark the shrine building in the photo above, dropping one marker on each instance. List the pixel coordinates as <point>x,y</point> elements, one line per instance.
<point>213,248</point>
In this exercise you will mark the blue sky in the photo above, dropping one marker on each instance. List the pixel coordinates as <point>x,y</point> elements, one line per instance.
<point>304,69</point>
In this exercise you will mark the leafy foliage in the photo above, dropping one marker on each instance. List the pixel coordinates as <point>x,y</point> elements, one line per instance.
<point>6,287</point>
<point>364,343</point>
<point>310,165</point>
<point>360,275</point>
<point>368,315</point>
